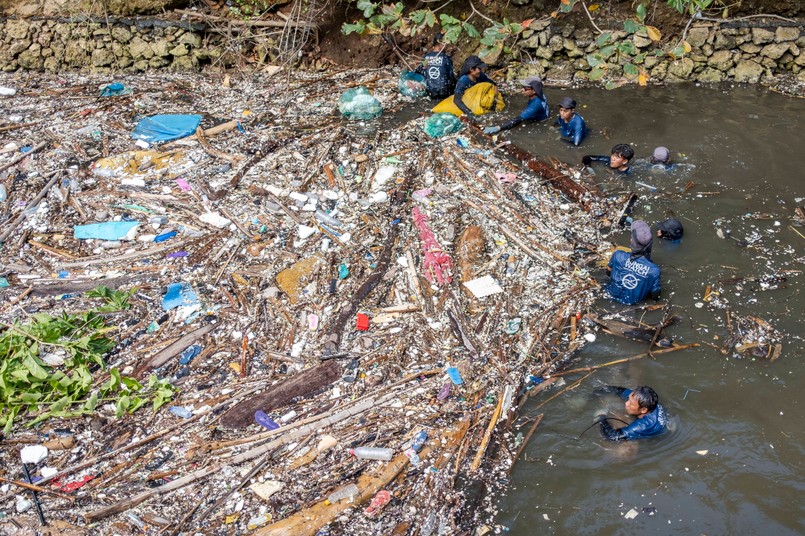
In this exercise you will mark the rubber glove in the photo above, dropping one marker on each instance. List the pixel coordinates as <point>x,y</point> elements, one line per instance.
<point>599,418</point>
<point>491,130</point>
<point>586,160</point>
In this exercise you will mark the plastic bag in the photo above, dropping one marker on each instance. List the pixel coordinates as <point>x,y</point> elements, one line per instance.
<point>359,104</point>
<point>443,124</point>
<point>412,84</point>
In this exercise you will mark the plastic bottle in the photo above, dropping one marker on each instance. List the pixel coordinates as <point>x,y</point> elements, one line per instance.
<point>419,440</point>
<point>372,453</point>
<point>111,244</point>
<point>8,91</point>
<point>327,219</point>
<point>3,193</point>
<point>349,491</point>
<point>136,521</point>
<point>179,411</point>
<point>165,236</point>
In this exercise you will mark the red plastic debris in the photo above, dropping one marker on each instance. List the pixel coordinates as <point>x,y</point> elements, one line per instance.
<point>363,322</point>
<point>72,486</point>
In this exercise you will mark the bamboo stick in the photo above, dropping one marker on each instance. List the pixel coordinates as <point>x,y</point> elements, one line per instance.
<point>525,441</point>
<point>487,436</point>
<point>626,359</point>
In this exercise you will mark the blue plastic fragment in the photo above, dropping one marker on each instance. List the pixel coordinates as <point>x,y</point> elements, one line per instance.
<point>454,375</point>
<point>165,236</point>
<point>189,353</point>
<point>108,230</point>
<point>264,420</point>
<point>178,295</point>
<point>343,271</point>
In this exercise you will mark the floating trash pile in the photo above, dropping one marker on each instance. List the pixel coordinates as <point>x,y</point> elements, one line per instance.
<point>335,320</point>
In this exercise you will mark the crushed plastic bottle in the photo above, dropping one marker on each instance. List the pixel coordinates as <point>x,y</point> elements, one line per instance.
<point>189,353</point>
<point>372,453</point>
<point>179,411</point>
<point>349,491</point>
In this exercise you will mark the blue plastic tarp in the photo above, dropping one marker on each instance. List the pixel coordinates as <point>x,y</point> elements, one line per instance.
<point>165,127</point>
<point>108,230</point>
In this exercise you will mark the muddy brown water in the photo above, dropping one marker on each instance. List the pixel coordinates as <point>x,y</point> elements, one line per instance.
<point>733,463</point>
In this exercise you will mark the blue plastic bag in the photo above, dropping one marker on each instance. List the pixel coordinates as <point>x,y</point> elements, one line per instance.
<point>178,295</point>
<point>442,124</point>
<point>115,89</point>
<point>165,127</point>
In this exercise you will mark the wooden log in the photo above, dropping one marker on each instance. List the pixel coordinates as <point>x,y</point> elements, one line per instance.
<point>573,190</point>
<point>304,383</point>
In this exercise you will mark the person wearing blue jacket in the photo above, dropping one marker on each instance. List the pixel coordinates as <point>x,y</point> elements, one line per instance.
<point>633,277</point>
<point>536,109</point>
<point>472,72</point>
<point>437,68</point>
<point>641,402</point>
<point>571,125</point>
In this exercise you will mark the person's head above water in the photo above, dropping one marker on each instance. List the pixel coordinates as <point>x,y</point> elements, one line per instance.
<point>642,401</point>
<point>641,239</point>
<point>534,84</point>
<point>620,156</point>
<point>661,155</point>
<point>670,229</point>
<point>471,63</point>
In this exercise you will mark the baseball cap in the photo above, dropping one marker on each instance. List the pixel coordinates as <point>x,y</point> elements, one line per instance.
<point>567,102</point>
<point>661,154</point>
<point>534,82</point>
<point>671,229</point>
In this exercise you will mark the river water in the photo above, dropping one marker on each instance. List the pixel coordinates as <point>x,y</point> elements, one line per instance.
<point>733,463</point>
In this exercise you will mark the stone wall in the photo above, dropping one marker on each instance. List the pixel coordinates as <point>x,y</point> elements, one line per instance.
<point>54,46</point>
<point>718,53</point>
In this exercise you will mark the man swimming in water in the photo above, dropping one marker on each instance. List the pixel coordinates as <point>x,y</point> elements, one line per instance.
<point>641,402</point>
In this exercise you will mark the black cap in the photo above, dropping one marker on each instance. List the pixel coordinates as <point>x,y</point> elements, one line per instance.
<point>472,62</point>
<point>567,102</point>
<point>671,229</point>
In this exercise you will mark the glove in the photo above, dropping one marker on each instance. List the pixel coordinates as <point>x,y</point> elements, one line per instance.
<point>491,130</point>
<point>586,160</point>
<point>599,418</point>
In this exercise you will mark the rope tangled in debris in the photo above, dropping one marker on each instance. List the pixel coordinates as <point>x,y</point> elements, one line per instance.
<point>437,263</point>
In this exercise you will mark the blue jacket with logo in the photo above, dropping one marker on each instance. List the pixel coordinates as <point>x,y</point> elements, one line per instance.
<point>632,280</point>
<point>440,79</point>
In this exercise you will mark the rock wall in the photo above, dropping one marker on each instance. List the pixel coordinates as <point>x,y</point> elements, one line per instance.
<point>718,53</point>
<point>52,45</point>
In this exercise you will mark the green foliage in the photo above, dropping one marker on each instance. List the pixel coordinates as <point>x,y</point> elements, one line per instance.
<point>379,18</point>
<point>690,6</point>
<point>250,8</point>
<point>47,365</point>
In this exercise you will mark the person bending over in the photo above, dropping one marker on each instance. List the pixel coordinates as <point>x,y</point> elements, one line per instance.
<point>641,402</point>
<point>633,277</point>
<point>618,160</point>
<point>472,72</point>
<point>536,109</point>
<point>571,125</point>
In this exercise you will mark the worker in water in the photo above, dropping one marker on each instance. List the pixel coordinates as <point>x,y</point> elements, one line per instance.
<point>618,160</point>
<point>437,68</point>
<point>633,277</point>
<point>571,125</point>
<point>670,229</point>
<point>475,93</point>
<point>536,109</point>
<point>642,403</point>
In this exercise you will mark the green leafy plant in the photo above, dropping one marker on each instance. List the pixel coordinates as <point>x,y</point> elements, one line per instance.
<point>379,18</point>
<point>48,367</point>
<point>250,8</point>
